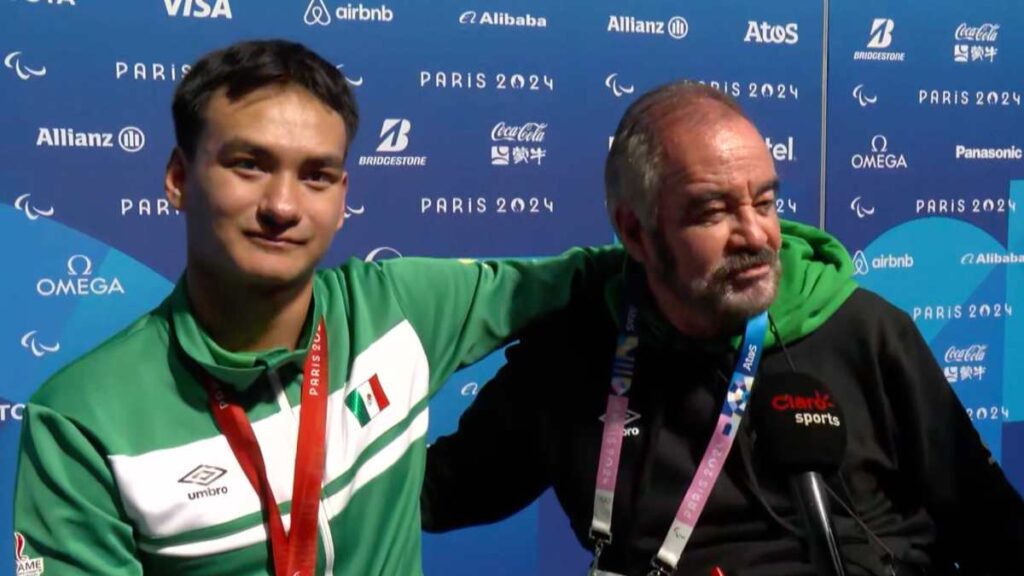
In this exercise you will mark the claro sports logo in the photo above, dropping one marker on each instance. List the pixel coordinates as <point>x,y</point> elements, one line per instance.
<point>808,410</point>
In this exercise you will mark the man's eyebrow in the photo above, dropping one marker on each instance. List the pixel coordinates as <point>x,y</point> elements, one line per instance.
<point>706,196</point>
<point>236,145</point>
<point>241,145</point>
<point>327,160</point>
<point>772,185</point>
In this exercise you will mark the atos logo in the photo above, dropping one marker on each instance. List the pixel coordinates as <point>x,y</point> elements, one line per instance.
<point>767,33</point>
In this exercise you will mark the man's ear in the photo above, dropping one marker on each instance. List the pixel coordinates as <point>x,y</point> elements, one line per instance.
<point>344,199</point>
<point>174,179</point>
<point>632,234</point>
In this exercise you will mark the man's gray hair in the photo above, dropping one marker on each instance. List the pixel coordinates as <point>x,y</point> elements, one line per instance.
<point>633,170</point>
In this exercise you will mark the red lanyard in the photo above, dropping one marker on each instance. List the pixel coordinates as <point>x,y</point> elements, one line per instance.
<point>294,553</point>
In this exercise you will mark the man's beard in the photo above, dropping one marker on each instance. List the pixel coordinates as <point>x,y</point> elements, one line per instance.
<point>714,296</point>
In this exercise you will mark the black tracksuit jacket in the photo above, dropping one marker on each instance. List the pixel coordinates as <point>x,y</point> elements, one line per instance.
<point>915,471</point>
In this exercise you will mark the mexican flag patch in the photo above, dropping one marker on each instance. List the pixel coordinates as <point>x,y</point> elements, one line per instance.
<point>367,400</point>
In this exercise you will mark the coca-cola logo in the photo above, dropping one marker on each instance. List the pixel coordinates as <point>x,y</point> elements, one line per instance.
<point>529,132</point>
<point>972,353</point>
<point>985,33</point>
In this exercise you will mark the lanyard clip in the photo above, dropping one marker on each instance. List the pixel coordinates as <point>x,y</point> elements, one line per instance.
<point>600,541</point>
<point>600,538</point>
<point>658,568</point>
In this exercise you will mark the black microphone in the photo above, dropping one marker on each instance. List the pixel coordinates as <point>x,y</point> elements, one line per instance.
<point>800,430</point>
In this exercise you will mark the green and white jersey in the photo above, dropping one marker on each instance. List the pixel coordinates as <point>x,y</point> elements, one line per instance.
<point>123,470</point>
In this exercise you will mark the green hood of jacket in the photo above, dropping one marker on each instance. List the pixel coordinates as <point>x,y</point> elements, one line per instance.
<point>816,281</point>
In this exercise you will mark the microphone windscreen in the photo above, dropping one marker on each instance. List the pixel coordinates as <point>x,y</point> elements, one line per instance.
<point>798,426</point>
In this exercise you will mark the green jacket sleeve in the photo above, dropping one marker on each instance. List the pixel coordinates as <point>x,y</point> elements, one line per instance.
<point>464,310</point>
<point>66,507</point>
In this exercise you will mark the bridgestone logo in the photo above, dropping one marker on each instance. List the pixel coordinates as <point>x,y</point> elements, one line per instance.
<point>392,160</point>
<point>394,135</point>
<point>880,56</point>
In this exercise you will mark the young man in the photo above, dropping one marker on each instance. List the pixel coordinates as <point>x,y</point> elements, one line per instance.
<point>638,435</point>
<point>266,417</point>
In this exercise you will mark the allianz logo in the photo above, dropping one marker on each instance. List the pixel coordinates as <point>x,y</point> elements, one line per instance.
<point>862,266</point>
<point>131,139</point>
<point>676,27</point>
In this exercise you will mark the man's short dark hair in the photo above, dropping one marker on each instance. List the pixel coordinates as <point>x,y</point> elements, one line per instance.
<point>248,66</point>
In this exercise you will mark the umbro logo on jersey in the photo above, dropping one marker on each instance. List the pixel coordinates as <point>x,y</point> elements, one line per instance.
<point>204,475</point>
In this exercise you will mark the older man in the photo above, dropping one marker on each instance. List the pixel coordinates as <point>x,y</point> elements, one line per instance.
<point>635,453</point>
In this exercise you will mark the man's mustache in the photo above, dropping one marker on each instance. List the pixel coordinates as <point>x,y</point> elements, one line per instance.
<point>744,261</point>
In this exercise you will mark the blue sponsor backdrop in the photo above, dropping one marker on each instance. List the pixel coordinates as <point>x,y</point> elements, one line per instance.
<point>485,126</point>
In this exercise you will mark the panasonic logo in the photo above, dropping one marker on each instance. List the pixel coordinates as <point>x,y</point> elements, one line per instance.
<point>1008,153</point>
